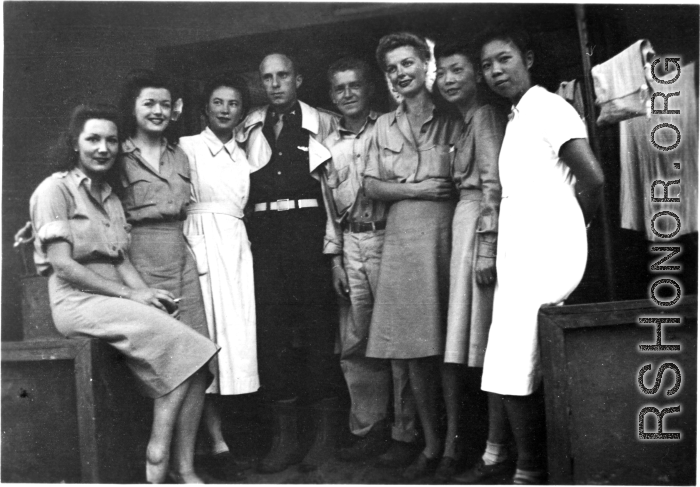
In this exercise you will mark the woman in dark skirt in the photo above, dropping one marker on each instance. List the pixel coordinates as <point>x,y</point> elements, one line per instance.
<point>409,164</point>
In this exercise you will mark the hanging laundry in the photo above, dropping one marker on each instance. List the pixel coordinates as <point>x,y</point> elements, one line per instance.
<point>642,164</point>
<point>622,84</point>
<point>572,91</point>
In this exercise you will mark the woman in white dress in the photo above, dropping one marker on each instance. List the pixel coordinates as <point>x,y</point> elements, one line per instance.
<point>551,184</point>
<point>215,231</point>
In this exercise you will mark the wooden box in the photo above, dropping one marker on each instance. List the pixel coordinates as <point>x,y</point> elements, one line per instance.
<point>591,362</point>
<point>71,413</point>
<point>37,322</point>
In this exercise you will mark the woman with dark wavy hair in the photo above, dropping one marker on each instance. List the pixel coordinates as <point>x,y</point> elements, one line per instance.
<point>82,244</point>
<point>214,228</point>
<point>155,194</point>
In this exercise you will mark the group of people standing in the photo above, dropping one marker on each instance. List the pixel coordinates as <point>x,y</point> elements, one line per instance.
<point>212,263</point>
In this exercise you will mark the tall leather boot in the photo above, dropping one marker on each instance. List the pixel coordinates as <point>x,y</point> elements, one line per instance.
<point>326,419</point>
<point>285,442</point>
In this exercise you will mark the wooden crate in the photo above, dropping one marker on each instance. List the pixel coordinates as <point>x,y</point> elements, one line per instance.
<point>71,413</point>
<point>37,322</point>
<point>591,361</point>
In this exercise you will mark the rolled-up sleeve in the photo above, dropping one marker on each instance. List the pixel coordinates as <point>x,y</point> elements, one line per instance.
<point>48,208</point>
<point>489,129</point>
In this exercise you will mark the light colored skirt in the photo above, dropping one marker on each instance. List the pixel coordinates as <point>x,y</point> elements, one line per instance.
<point>225,266</point>
<point>410,310</point>
<point>471,305</point>
<point>161,351</point>
<point>542,252</point>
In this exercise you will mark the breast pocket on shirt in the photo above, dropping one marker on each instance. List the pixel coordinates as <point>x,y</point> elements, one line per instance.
<point>341,185</point>
<point>391,158</point>
<point>88,234</point>
<point>436,162</point>
<point>139,193</point>
<point>184,175</point>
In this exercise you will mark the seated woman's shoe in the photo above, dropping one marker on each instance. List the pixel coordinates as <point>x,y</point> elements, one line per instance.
<point>421,467</point>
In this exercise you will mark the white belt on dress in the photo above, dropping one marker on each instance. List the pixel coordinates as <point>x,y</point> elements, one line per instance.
<point>283,205</point>
<point>214,207</point>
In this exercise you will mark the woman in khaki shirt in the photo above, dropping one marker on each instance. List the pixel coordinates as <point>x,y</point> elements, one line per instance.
<point>155,192</point>
<point>474,235</point>
<point>81,244</point>
<point>409,164</point>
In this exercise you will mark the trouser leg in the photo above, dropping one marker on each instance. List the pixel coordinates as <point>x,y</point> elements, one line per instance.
<point>368,379</point>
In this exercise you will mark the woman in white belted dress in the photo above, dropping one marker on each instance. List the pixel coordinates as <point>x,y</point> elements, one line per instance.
<point>220,181</point>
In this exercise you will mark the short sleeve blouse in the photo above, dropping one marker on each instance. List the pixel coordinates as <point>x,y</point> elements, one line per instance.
<point>395,156</point>
<point>529,162</point>
<point>62,208</point>
<point>153,196</point>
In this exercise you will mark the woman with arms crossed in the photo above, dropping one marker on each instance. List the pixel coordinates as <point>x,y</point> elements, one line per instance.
<point>409,164</point>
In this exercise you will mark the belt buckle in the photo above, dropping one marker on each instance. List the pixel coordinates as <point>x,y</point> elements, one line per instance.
<point>281,202</point>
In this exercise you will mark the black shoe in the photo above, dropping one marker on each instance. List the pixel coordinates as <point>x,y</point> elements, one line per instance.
<point>482,473</point>
<point>446,469</point>
<point>421,467</point>
<point>285,449</point>
<point>400,454</point>
<point>376,442</point>
<point>326,417</point>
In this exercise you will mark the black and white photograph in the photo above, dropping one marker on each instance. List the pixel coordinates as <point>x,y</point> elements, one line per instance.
<point>349,243</point>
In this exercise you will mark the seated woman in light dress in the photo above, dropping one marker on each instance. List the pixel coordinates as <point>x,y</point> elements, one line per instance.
<point>220,180</point>
<point>551,189</point>
<point>82,243</point>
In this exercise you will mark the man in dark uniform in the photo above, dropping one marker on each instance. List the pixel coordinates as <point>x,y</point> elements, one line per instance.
<point>295,306</point>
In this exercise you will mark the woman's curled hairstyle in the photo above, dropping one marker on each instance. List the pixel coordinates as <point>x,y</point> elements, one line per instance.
<point>228,80</point>
<point>400,39</point>
<point>136,81</point>
<point>67,157</point>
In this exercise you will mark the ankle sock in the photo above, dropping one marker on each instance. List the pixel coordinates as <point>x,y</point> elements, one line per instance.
<point>495,453</point>
<point>528,477</point>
